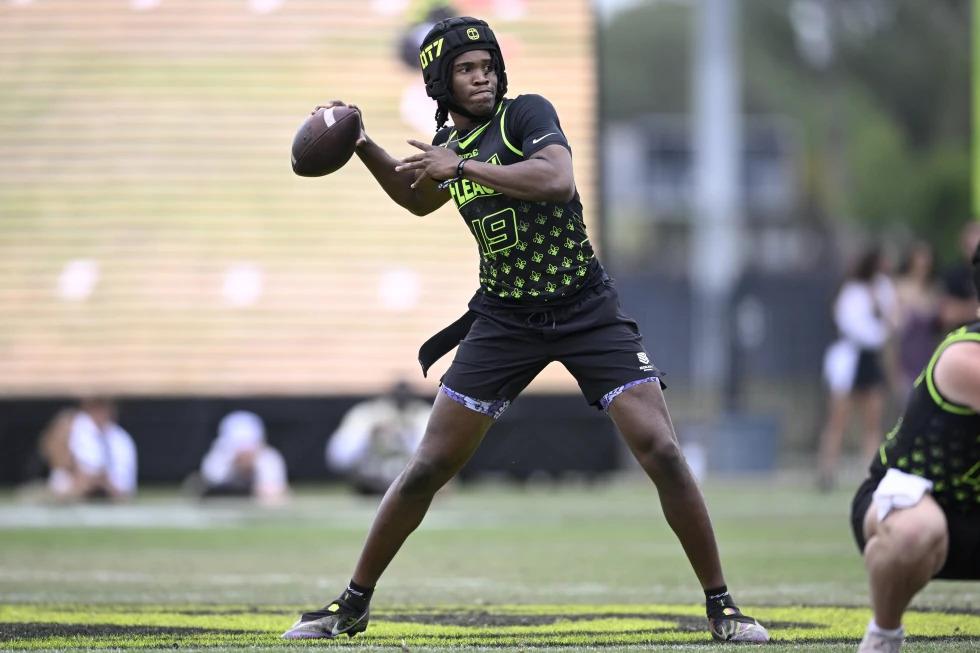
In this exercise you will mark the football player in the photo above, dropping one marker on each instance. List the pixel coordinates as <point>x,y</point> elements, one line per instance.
<point>917,515</point>
<point>543,297</point>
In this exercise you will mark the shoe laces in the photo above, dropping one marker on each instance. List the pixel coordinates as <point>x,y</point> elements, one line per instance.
<point>724,608</point>
<point>335,607</point>
<point>732,613</point>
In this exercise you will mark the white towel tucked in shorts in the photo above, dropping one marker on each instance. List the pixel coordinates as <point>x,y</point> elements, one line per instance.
<point>899,490</point>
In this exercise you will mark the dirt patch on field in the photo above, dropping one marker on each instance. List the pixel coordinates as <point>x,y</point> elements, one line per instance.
<point>484,619</point>
<point>12,631</point>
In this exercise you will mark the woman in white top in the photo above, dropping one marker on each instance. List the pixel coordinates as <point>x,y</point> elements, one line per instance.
<point>865,313</point>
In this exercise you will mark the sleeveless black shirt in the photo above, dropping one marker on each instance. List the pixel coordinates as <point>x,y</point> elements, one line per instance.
<point>937,439</point>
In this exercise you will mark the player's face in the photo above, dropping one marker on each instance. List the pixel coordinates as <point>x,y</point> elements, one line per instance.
<point>475,82</point>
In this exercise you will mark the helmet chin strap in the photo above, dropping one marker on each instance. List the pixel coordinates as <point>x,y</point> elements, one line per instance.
<point>456,108</point>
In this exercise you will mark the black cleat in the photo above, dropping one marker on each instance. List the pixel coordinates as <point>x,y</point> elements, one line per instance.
<point>730,625</point>
<point>337,618</point>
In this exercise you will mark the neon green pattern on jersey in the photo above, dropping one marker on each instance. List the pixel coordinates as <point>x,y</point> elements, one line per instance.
<point>529,251</point>
<point>938,439</point>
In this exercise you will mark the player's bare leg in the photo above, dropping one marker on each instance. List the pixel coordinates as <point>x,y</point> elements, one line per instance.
<point>902,554</point>
<point>641,415</point>
<point>452,435</point>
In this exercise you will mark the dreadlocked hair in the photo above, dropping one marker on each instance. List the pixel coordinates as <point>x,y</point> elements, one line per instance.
<point>442,115</point>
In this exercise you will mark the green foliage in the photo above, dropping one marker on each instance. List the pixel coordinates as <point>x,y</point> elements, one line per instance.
<point>944,199</point>
<point>645,61</point>
<point>917,67</point>
<point>884,127</point>
<point>883,181</point>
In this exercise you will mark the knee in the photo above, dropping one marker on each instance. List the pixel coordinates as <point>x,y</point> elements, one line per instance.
<point>422,478</point>
<point>912,544</point>
<point>658,451</point>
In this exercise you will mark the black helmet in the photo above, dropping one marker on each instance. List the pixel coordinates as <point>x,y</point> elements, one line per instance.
<point>447,40</point>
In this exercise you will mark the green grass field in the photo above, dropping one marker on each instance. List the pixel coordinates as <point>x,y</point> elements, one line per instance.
<point>493,567</point>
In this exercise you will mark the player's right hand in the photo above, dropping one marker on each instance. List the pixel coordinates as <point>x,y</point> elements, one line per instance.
<point>363,138</point>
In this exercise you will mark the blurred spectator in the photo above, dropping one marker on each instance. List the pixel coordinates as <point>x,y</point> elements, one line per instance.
<point>427,13</point>
<point>241,463</point>
<point>89,456</point>
<point>918,313</point>
<point>865,312</point>
<point>959,301</point>
<point>416,107</point>
<point>376,438</point>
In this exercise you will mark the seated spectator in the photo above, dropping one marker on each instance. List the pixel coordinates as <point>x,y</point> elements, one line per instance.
<point>376,438</point>
<point>241,463</point>
<point>88,454</point>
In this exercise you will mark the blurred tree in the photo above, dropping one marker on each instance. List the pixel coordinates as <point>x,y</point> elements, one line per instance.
<point>645,61</point>
<point>880,90</point>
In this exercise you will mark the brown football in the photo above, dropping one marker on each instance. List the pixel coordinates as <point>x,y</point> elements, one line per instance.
<point>325,142</point>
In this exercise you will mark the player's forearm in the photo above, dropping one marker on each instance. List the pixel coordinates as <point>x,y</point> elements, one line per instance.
<point>398,185</point>
<point>535,180</point>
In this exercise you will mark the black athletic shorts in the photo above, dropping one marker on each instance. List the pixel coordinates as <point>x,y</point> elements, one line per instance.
<point>963,558</point>
<point>868,372</point>
<point>507,346</point>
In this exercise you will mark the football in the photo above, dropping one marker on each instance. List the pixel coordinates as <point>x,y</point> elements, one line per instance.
<point>325,141</point>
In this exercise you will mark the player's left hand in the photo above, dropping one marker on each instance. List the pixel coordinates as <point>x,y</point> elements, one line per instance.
<point>436,163</point>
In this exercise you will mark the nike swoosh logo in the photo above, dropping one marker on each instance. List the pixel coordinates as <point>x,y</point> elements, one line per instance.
<point>538,140</point>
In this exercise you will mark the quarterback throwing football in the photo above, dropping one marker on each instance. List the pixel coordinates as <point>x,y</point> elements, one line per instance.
<point>543,297</point>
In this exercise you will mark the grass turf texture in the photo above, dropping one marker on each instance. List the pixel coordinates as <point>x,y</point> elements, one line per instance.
<point>499,568</point>
<point>32,627</point>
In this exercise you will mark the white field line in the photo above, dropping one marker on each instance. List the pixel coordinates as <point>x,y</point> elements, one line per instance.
<point>195,516</point>
<point>117,516</point>
<point>109,576</point>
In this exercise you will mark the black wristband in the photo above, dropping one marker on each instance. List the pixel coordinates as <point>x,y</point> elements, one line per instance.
<point>459,175</point>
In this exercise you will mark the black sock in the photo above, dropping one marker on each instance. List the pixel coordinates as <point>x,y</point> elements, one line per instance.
<point>357,596</point>
<point>717,599</point>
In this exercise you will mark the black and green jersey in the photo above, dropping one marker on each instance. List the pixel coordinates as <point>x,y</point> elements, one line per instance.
<point>531,252</point>
<point>937,439</point>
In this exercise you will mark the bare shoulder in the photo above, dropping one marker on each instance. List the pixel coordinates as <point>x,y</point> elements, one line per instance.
<point>957,373</point>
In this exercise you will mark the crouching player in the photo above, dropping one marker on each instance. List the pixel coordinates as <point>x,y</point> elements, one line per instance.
<point>917,516</point>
